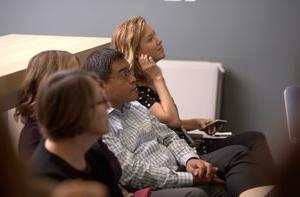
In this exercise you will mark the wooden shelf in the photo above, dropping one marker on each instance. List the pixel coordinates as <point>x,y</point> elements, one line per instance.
<point>17,49</point>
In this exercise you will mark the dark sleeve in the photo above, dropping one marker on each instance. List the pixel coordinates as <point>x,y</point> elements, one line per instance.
<point>30,137</point>
<point>147,96</point>
<point>112,159</point>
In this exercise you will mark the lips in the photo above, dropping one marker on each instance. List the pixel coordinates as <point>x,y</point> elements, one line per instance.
<point>160,48</point>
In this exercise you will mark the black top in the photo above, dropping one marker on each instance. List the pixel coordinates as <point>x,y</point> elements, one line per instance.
<point>30,137</point>
<point>50,165</point>
<point>147,97</point>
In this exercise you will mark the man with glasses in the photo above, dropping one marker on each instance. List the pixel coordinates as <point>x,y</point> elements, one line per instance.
<point>152,155</point>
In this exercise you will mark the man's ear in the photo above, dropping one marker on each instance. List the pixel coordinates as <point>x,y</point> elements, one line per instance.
<point>101,84</point>
<point>103,87</point>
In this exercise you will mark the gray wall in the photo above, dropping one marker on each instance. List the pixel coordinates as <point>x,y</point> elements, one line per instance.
<point>256,40</point>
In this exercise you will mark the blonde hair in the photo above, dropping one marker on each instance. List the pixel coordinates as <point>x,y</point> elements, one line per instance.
<point>40,67</point>
<point>126,38</point>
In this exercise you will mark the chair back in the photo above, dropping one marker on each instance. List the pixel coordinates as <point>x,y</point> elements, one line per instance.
<point>292,107</point>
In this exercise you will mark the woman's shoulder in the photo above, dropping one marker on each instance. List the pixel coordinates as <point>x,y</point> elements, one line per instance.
<point>31,125</point>
<point>31,129</point>
<point>30,137</point>
<point>45,164</point>
<point>98,157</point>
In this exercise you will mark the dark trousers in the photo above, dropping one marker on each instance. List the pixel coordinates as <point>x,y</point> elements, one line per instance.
<point>258,149</point>
<point>238,167</point>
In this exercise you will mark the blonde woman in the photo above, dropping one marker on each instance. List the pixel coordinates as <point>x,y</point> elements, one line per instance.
<point>143,48</point>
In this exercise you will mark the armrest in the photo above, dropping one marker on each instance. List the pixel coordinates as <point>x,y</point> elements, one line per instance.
<point>201,135</point>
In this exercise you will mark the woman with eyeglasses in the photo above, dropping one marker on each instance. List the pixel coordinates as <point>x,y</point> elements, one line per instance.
<point>40,67</point>
<point>71,110</point>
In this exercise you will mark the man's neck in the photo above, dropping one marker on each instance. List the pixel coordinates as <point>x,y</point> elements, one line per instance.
<point>118,106</point>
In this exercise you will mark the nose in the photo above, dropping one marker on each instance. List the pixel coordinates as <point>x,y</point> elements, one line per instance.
<point>158,40</point>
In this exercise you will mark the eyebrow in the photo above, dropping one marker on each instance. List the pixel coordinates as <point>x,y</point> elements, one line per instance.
<point>123,69</point>
<point>150,34</point>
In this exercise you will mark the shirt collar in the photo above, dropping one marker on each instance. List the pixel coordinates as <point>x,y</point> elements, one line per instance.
<point>125,107</point>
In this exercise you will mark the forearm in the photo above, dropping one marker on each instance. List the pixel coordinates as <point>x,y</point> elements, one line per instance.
<point>190,124</point>
<point>138,175</point>
<point>165,110</point>
<point>170,113</point>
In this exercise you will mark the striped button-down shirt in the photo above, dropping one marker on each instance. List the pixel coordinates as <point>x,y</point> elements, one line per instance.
<point>149,152</point>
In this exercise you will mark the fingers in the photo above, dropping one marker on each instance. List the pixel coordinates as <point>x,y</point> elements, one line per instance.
<point>149,68</point>
<point>203,169</point>
<point>217,179</point>
<point>146,61</point>
<point>202,123</point>
<point>209,170</point>
<point>151,60</point>
<point>211,130</point>
<point>208,126</point>
<point>199,172</point>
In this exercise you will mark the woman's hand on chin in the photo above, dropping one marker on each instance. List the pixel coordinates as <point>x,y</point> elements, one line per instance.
<point>149,67</point>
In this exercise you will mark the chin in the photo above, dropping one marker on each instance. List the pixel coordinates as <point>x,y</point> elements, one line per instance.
<point>134,97</point>
<point>160,57</point>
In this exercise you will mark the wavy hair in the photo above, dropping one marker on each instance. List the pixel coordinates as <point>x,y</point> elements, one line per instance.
<point>39,68</point>
<point>126,38</point>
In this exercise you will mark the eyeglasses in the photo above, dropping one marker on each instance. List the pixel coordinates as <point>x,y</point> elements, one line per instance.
<point>124,74</point>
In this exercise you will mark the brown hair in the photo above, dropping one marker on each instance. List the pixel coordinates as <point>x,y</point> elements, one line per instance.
<point>65,103</point>
<point>126,38</point>
<point>39,68</point>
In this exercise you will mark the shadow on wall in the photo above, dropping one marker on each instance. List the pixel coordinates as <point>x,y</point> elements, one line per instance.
<point>11,173</point>
<point>245,85</point>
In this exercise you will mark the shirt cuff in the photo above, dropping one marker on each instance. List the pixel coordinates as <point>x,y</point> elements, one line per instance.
<point>186,157</point>
<point>185,179</point>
